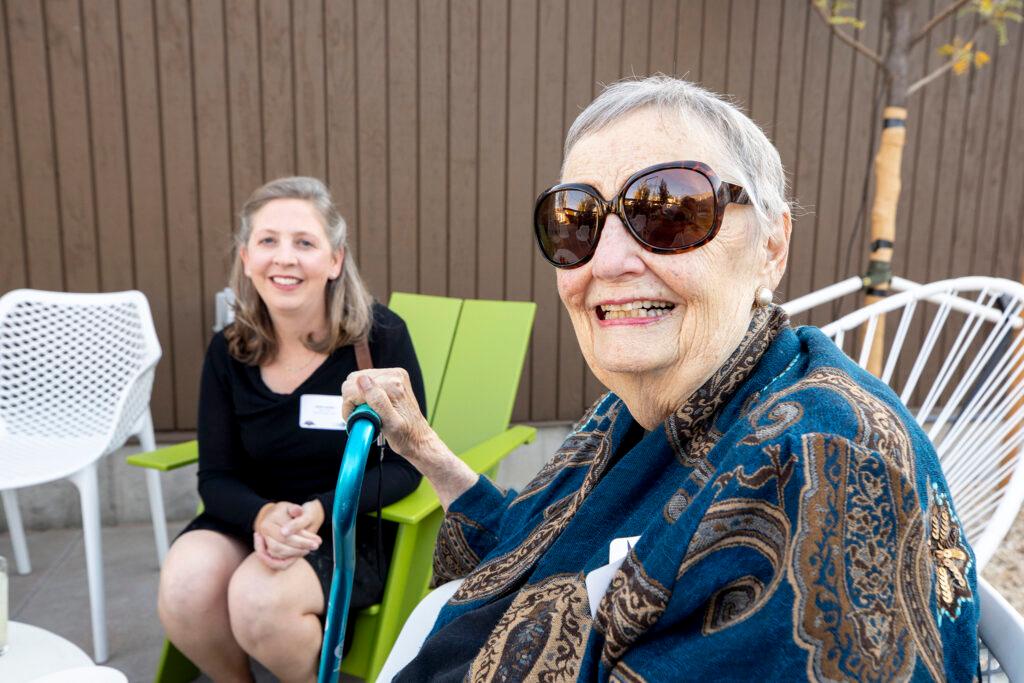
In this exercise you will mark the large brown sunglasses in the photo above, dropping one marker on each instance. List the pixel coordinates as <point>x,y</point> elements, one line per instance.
<point>668,208</point>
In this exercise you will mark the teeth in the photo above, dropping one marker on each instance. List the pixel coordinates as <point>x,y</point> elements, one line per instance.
<point>286,280</point>
<point>644,308</point>
<point>637,309</point>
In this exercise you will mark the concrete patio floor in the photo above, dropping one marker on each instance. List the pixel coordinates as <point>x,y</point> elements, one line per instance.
<point>54,596</point>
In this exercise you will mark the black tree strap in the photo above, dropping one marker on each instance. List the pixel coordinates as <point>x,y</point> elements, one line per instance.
<point>882,244</point>
<point>879,273</point>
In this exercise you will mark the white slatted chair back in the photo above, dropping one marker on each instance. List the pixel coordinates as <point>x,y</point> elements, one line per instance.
<point>75,365</point>
<point>972,407</point>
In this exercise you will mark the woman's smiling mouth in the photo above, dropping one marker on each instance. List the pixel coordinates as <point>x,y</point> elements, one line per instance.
<point>285,281</point>
<point>632,312</point>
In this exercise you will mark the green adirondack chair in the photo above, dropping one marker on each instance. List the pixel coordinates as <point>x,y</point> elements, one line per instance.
<point>471,354</point>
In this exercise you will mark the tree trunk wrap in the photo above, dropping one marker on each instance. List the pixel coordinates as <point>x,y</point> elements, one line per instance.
<point>883,214</point>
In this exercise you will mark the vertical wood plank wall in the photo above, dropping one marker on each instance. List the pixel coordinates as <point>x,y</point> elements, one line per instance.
<point>131,132</point>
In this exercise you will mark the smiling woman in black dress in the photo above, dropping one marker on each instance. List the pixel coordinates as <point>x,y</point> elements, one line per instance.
<point>250,575</point>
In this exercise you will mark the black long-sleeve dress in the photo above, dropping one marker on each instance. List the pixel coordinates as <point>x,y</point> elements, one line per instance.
<point>252,450</point>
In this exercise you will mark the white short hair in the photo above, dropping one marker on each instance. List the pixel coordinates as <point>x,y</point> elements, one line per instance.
<point>752,160</point>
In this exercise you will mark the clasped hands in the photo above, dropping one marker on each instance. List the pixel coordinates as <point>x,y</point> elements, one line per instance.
<point>283,532</point>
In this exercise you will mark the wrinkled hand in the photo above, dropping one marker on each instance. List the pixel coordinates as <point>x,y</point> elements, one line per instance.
<point>389,393</point>
<point>285,531</point>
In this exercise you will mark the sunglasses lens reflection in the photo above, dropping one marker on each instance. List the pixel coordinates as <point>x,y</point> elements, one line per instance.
<point>567,226</point>
<point>671,208</point>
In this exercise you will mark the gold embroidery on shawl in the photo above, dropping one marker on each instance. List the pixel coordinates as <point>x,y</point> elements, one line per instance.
<point>950,555</point>
<point>541,637</point>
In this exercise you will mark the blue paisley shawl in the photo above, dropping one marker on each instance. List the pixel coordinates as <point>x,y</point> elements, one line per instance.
<point>794,524</point>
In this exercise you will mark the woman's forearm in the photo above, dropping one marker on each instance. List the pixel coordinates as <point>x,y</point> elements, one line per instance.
<point>445,471</point>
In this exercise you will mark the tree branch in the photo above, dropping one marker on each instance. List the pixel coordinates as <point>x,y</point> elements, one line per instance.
<point>920,83</point>
<point>852,42</point>
<point>936,20</point>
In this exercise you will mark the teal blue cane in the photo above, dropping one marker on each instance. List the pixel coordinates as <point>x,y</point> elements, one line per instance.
<point>363,425</point>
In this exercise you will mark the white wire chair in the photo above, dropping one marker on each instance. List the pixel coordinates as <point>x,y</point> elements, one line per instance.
<point>969,397</point>
<point>1001,631</point>
<point>76,372</point>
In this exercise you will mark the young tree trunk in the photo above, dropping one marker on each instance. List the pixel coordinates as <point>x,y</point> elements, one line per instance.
<point>887,165</point>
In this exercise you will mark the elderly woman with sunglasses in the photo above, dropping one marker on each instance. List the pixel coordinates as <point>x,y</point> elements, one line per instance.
<point>745,501</point>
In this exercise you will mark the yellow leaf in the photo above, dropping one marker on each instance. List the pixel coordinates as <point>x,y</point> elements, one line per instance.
<point>981,58</point>
<point>960,66</point>
<point>947,50</point>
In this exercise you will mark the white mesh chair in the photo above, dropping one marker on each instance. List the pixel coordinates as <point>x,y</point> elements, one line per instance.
<point>966,382</point>
<point>76,372</point>
<point>224,314</point>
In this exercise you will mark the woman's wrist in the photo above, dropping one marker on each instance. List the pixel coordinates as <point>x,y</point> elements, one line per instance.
<point>445,471</point>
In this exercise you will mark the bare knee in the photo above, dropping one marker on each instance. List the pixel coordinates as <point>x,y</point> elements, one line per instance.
<point>254,607</point>
<point>193,583</point>
<point>266,606</point>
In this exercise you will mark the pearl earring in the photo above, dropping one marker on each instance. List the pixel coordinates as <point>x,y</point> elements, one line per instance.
<point>763,297</point>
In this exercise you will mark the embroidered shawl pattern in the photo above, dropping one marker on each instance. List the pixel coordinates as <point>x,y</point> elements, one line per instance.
<point>794,523</point>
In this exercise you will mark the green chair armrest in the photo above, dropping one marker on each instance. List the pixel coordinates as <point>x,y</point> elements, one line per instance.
<point>410,510</point>
<point>167,459</point>
<point>417,505</point>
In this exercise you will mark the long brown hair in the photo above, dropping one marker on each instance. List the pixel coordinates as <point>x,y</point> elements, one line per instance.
<point>252,339</point>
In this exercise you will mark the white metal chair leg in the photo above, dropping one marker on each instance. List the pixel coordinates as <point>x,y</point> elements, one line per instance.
<point>88,491</point>
<point>156,496</point>
<point>13,515</point>
<point>156,510</point>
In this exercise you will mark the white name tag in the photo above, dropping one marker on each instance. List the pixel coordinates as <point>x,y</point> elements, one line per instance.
<point>598,580</point>
<point>320,411</point>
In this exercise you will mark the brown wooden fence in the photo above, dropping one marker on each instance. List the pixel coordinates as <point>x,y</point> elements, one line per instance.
<point>131,131</point>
